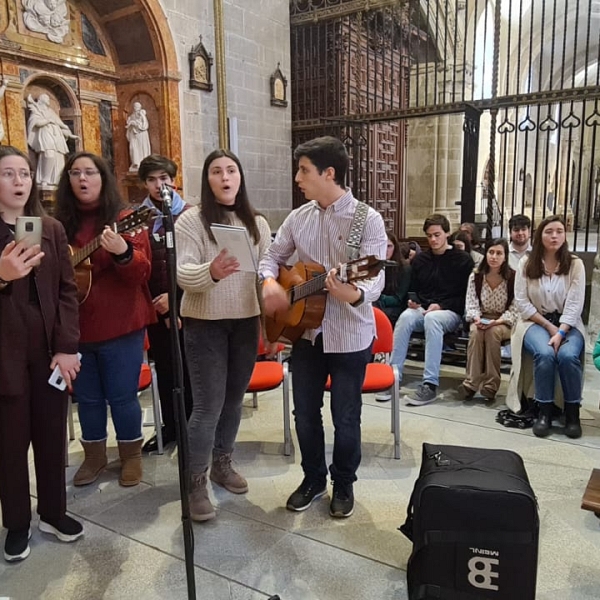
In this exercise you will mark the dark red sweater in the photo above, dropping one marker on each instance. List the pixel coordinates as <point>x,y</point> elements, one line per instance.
<point>119,301</point>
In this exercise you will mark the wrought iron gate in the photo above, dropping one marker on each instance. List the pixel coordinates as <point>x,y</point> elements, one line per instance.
<point>524,73</point>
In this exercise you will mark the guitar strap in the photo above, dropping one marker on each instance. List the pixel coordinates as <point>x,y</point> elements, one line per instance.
<point>356,230</point>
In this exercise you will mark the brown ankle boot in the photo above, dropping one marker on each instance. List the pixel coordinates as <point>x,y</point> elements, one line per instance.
<point>201,508</point>
<point>223,474</point>
<point>93,463</point>
<point>130,454</point>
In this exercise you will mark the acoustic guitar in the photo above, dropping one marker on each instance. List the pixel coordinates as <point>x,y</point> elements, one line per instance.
<point>80,256</point>
<point>305,286</point>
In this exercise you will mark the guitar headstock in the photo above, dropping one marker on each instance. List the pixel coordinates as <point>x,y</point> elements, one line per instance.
<point>365,267</point>
<point>136,221</point>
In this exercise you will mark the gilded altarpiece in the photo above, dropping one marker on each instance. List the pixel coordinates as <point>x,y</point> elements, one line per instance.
<point>94,60</point>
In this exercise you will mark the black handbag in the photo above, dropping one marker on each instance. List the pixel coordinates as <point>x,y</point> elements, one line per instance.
<point>474,525</point>
<point>553,317</point>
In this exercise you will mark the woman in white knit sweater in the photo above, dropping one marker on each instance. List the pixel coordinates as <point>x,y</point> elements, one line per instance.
<point>549,293</point>
<point>221,311</point>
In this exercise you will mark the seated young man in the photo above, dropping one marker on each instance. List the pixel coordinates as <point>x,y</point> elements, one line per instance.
<point>436,304</point>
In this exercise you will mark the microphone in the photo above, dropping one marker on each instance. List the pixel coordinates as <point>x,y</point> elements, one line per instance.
<point>166,194</point>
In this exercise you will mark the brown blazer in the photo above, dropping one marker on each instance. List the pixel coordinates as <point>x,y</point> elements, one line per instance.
<point>57,292</point>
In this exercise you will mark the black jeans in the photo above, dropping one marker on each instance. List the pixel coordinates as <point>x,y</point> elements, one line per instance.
<point>310,368</point>
<point>220,356</point>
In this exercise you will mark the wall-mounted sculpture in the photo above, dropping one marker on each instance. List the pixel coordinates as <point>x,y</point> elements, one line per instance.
<point>47,135</point>
<point>137,135</point>
<point>47,16</point>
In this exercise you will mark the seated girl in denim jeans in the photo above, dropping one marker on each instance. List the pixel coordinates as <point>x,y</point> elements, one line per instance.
<point>549,292</point>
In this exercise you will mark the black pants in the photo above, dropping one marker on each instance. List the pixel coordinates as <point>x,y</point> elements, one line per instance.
<point>160,351</point>
<point>37,417</point>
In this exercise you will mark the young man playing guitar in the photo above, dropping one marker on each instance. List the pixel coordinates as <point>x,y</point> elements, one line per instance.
<point>340,347</point>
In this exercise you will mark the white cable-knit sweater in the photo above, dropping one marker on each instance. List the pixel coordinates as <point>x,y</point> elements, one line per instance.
<point>231,298</point>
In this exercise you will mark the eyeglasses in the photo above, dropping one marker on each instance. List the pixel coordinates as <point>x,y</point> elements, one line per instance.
<point>24,174</point>
<point>76,173</point>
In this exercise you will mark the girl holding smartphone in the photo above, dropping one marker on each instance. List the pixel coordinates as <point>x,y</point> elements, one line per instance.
<point>39,330</point>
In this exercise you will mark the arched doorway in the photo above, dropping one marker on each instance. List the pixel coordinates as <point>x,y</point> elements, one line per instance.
<point>94,59</point>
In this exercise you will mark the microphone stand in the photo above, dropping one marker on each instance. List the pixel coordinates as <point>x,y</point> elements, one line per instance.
<point>178,383</point>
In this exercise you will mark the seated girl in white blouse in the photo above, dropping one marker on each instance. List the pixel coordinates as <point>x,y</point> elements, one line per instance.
<point>549,293</point>
<point>490,308</point>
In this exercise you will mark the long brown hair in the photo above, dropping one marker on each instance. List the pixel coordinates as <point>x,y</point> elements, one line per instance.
<point>33,207</point>
<point>67,211</point>
<point>213,212</point>
<point>505,270</point>
<point>401,249</point>
<point>535,266</point>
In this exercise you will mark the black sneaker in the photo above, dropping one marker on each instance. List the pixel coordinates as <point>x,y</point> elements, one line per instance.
<point>16,546</point>
<point>302,498</point>
<point>342,502</point>
<point>65,529</point>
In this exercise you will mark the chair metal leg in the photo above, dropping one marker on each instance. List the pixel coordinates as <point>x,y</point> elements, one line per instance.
<point>396,412</point>
<point>254,399</point>
<point>287,430</point>
<point>156,409</point>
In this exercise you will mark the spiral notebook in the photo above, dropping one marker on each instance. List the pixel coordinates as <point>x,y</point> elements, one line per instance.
<point>238,243</point>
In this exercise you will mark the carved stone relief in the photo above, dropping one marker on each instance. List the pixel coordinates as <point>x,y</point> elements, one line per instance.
<point>49,17</point>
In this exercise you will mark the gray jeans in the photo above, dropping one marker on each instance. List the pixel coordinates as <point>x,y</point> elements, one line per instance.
<point>220,357</point>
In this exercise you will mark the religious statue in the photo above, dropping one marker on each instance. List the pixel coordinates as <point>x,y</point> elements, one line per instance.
<point>47,16</point>
<point>200,74</point>
<point>47,135</point>
<point>137,136</point>
<point>2,90</point>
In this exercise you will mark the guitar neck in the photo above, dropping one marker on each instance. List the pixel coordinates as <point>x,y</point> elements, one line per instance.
<point>308,288</point>
<point>81,254</point>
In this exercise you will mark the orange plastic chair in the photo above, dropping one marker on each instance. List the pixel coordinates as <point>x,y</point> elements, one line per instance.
<point>269,375</point>
<point>381,377</point>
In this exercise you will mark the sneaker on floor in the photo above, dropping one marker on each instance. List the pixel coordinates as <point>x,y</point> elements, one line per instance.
<point>304,495</point>
<point>383,396</point>
<point>342,501</point>
<point>16,545</point>
<point>426,393</point>
<point>66,529</point>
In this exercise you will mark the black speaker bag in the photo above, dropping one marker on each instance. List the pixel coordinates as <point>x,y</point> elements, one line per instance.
<point>474,524</point>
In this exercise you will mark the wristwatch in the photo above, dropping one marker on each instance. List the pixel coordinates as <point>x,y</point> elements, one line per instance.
<point>361,299</point>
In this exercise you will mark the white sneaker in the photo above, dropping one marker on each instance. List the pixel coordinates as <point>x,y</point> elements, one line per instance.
<point>383,396</point>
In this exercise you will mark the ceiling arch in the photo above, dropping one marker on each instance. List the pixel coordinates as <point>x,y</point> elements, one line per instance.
<point>138,31</point>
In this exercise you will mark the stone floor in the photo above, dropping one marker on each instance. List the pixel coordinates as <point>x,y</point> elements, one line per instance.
<point>133,546</point>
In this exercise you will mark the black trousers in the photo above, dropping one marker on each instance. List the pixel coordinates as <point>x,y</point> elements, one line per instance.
<point>38,417</point>
<point>160,351</point>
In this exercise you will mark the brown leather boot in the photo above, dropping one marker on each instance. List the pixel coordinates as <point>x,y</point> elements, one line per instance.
<point>93,463</point>
<point>130,454</point>
<point>223,474</point>
<point>201,508</point>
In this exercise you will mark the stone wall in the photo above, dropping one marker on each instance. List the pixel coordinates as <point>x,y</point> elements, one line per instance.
<point>433,170</point>
<point>257,38</point>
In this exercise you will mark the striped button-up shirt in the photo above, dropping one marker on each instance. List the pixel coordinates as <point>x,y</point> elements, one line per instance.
<point>319,235</point>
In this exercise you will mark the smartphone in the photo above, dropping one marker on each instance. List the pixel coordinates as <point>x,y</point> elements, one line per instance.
<point>29,230</point>
<point>57,380</point>
<point>485,321</point>
<point>412,296</point>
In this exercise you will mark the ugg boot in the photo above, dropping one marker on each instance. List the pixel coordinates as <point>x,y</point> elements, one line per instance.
<point>223,474</point>
<point>541,426</point>
<point>201,508</point>
<point>572,423</point>
<point>130,454</point>
<point>93,463</point>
